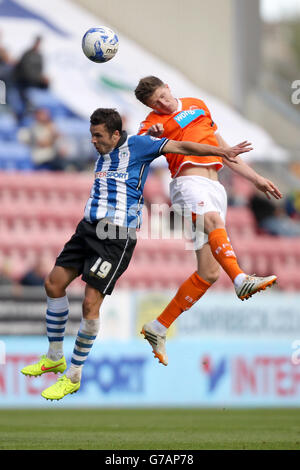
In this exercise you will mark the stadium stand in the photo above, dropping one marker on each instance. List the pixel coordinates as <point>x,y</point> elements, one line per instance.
<point>8,127</point>
<point>46,99</point>
<point>39,212</point>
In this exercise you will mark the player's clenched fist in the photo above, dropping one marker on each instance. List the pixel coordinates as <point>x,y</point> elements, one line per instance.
<point>156,130</point>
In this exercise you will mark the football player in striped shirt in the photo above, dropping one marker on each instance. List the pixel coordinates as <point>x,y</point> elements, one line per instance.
<point>195,187</point>
<point>103,243</point>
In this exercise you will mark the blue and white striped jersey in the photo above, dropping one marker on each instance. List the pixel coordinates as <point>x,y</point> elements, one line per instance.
<point>120,175</point>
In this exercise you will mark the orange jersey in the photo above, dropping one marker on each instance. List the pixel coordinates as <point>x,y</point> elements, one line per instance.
<point>190,122</point>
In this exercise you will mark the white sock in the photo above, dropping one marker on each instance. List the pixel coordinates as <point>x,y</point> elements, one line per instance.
<point>86,336</point>
<point>159,328</point>
<point>55,350</point>
<point>239,279</point>
<point>74,373</point>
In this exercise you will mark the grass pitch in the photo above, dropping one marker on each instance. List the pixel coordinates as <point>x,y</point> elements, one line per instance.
<point>136,429</point>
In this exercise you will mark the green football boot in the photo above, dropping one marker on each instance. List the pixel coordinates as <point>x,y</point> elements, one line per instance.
<point>45,365</point>
<point>62,387</point>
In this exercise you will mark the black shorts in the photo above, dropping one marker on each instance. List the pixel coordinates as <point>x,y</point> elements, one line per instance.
<point>100,261</point>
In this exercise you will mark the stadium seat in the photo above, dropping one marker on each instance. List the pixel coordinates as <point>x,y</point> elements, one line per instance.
<point>288,279</point>
<point>17,266</point>
<point>154,191</point>
<point>46,99</point>
<point>241,186</point>
<point>73,126</point>
<point>240,222</point>
<point>14,156</point>
<point>39,213</point>
<point>8,127</point>
<point>158,268</point>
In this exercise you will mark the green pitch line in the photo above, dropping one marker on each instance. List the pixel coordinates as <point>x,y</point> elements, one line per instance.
<point>149,429</point>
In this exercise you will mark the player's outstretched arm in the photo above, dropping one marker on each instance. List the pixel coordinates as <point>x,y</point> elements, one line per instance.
<point>259,181</point>
<point>202,150</point>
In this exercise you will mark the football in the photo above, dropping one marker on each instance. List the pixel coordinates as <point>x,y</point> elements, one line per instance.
<point>100,44</point>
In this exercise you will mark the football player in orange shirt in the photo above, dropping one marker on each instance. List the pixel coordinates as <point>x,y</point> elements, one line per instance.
<point>195,186</point>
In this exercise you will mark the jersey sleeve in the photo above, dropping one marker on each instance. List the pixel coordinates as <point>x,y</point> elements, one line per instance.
<point>143,127</point>
<point>148,148</point>
<point>146,124</point>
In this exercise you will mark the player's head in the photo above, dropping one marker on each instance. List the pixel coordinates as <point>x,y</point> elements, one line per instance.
<point>153,92</point>
<point>106,129</point>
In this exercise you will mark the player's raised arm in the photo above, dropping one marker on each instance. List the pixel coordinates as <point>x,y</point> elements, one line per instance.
<point>241,168</point>
<point>202,150</point>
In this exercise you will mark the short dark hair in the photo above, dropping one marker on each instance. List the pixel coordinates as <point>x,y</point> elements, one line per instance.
<point>108,116</point>
<point>146,87</point>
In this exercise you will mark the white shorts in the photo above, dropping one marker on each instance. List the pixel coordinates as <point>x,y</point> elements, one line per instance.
<point>198,195</point>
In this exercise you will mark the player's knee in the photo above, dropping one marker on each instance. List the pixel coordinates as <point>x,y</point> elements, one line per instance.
<point>212,221</point>
<point>48,286</point>
<point>52,288</point>
<point>211,276</point>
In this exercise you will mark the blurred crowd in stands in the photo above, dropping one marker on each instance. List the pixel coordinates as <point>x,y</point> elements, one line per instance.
<point>38,132</point>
